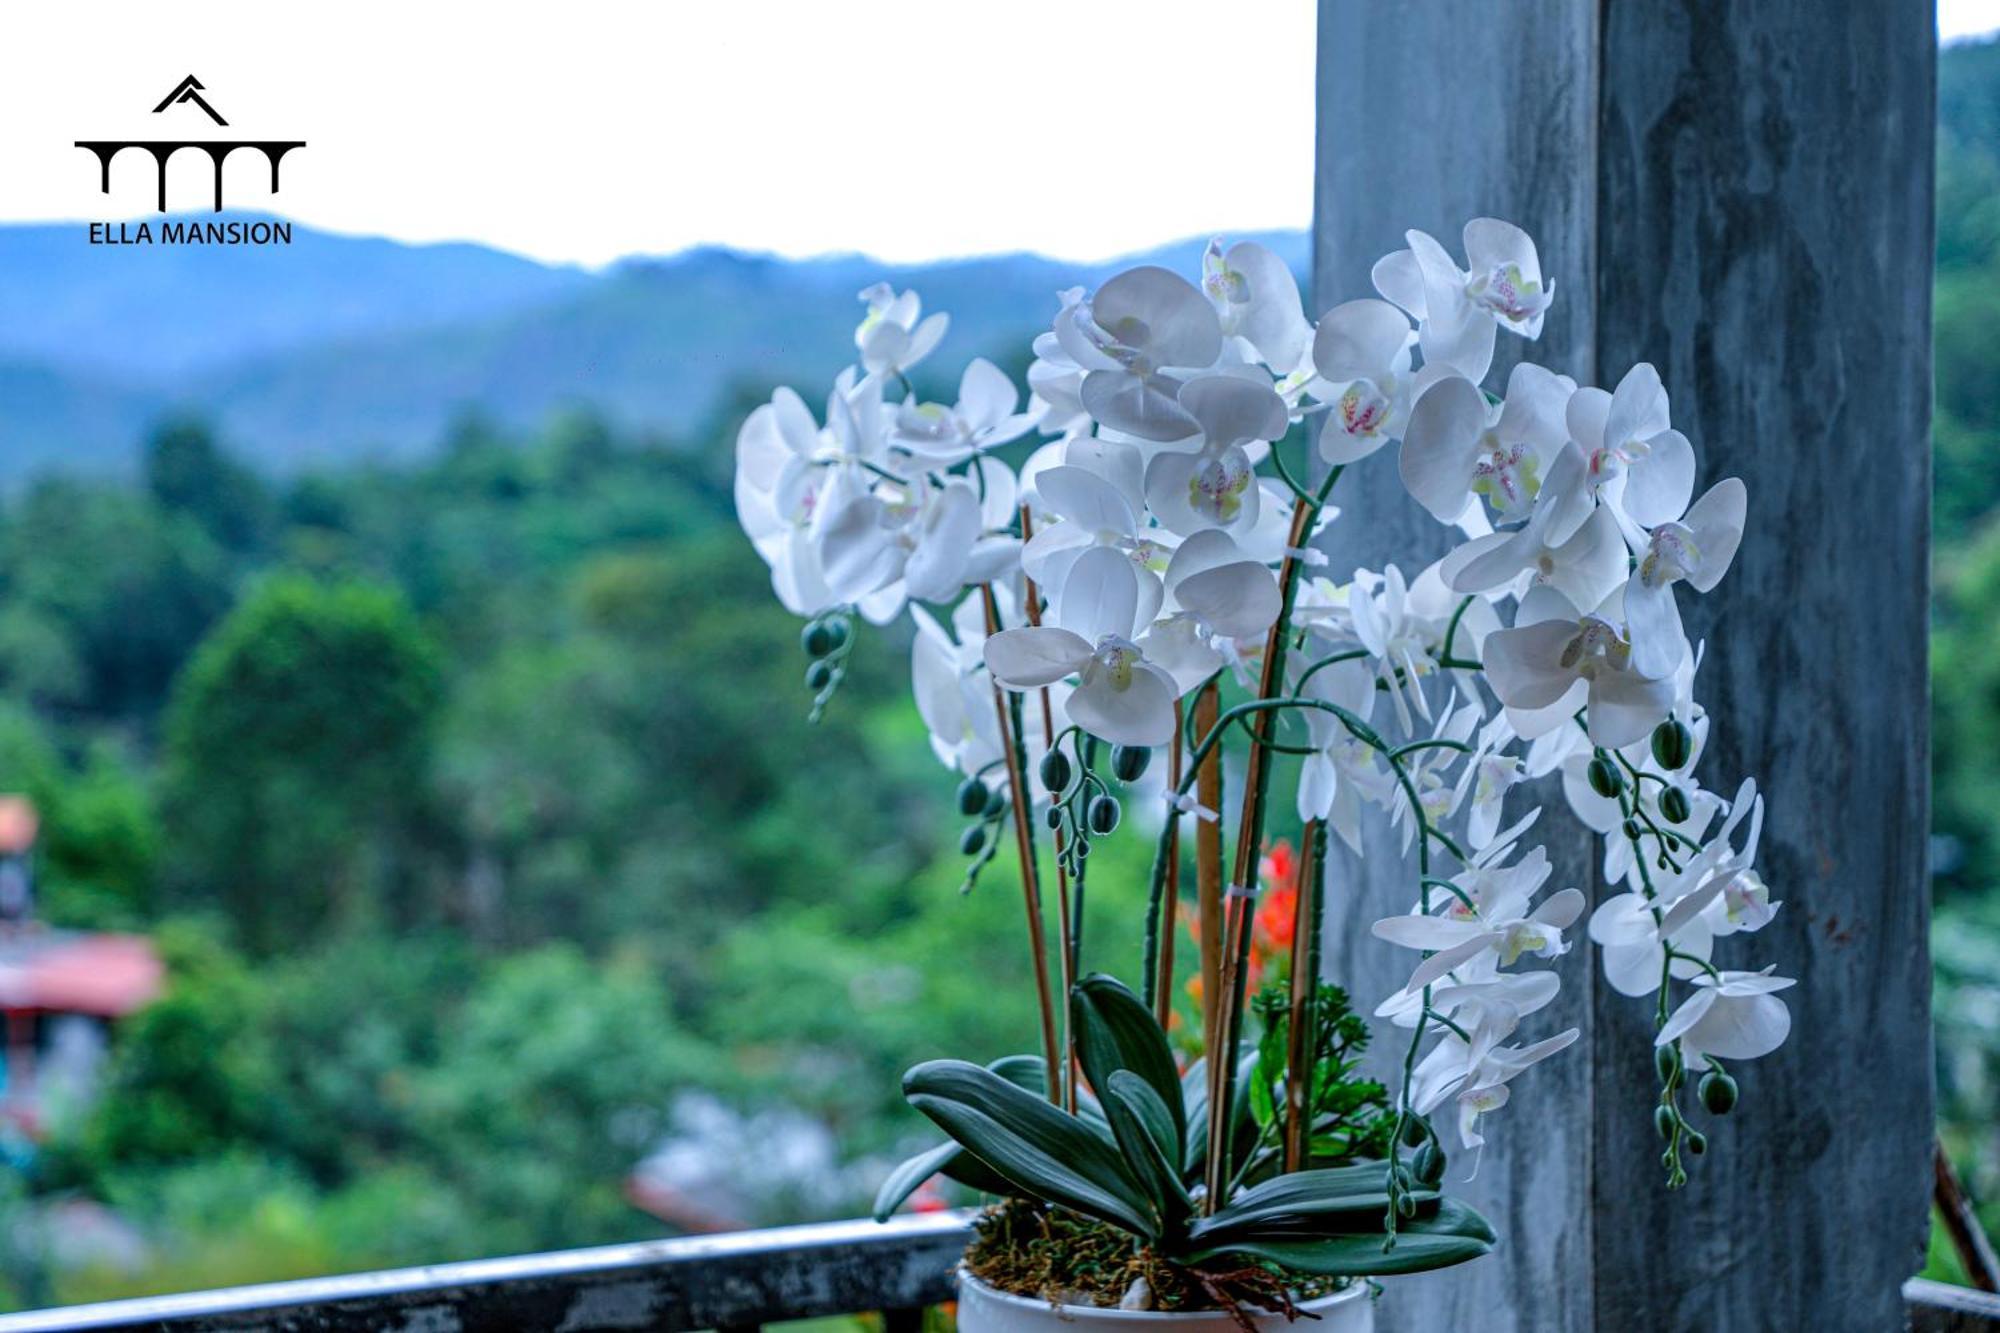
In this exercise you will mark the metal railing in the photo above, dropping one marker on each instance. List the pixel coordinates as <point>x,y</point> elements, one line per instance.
<point>733,1282</point>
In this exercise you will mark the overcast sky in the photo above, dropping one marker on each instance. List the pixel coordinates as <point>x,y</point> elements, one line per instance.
<point>909,129</point>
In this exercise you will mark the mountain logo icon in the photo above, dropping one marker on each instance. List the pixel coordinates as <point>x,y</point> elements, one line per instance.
<point>189,90</point>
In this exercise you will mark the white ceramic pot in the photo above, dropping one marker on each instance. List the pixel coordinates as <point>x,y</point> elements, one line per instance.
<point>985,1309</point>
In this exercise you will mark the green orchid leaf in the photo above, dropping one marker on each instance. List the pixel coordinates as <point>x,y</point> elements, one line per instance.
<point>1115,1030</point>
<point>1453,1235</point>
<point>1344,1198</point>
<point>950,1160</point>
<point>909,1174</point>
<point>1041,1151</point>
<point>1140,1106</point>
<point>1194,1096</point>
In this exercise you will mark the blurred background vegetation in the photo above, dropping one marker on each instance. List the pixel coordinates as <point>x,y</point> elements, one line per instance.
<point>509,903</point>
<point>1965,633</point>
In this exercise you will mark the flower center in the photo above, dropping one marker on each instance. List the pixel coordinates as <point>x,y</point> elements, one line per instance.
<point>1150,554</point>
<point>1598,645</point>
<point>1113,662</point>
<point>1363,408</point>
<point>1508,293</point>
<point>1671,554</point>
<point>1508,476</point>
<point>1215,491</point>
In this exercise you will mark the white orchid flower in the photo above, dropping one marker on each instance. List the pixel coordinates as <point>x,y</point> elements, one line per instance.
<point>1633,931</point>
<point>1256,299</point>
<point>1141,325</point>
<point>1586,568</point>
<point>1493,917</point>
<point>1214,594</point>
<point>1696,547</point>
<point>1214,486</point>
<point>1438,798</point>
<point>913,532</point>
<point>1476,1073</point>
<point>779,498</point>
<point>1055,380</point>
<point>1633,458</point>
<point>1084,509</point>
<point>1557,659</point>
<point>1398,640</point>
<point>890,337</point>
<point>1342,772</point>
<point>1485,780</point>
<point>1475,988</point>
<point>1120,696</point>
<point>1459,310</point>
<point>1361,351</point>
<point>983,418</point>
<point>949,680</point>
<point>1734,1015</point>
<point>1457,446</point>
<point>1723,885</point>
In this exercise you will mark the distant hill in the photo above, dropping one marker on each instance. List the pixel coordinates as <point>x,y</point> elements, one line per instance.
<point>340,348</point>
<point>159,312</point>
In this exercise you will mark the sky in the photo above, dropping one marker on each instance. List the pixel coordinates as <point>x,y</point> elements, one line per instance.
<point>906,129</point>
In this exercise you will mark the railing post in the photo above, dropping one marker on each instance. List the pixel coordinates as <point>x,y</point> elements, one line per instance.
<point>1740,194</point>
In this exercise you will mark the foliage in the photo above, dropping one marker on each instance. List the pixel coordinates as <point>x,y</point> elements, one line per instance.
<point>1350,1114</point>
<point>1132,1161</point>
<point>306,711</point>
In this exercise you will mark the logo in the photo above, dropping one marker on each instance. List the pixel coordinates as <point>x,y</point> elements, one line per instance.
<point>189,91</point>
<point>186,100</point>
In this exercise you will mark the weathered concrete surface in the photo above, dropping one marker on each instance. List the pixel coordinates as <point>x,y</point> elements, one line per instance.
<point>1740,194</point>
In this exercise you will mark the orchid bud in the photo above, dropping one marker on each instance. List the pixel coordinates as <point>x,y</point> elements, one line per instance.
<point>995,803</point>
<point>1672,742</point>
<point>1055,817</point>
<point>1429,1164</point>
<point>1632,830</point>
<point>819,675</point>
<point>972,794</point>
<point>1697,1142</point>
<point>1415,1132</point>
<point>1103,814</point>
<point>1667,1059</point>
<point>817,639</point>
<point>1129,761</point>
<point>1604,777</point>
<point>1665,1121</point>
<point>1674,805</point>
<point>1718,1092</point>
<point>973,840</point>
<point>1055,770</point>
<point>1406,1205</point>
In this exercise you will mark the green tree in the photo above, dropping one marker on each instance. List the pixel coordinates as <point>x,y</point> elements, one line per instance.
<point>553,1081</point>
<point>297,741</point>
<point>105,595</point>
<point>191,1076</point>
<point>188,473</point>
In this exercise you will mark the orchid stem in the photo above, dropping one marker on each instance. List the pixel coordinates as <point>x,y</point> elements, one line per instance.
<point>1024,839</point>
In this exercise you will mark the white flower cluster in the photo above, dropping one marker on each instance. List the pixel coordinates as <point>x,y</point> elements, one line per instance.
<point>1148,548</point>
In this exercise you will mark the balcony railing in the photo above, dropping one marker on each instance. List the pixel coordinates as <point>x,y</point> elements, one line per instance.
<point>734,1283</point>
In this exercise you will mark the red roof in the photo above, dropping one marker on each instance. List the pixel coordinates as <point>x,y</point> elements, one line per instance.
<point>103,975</point>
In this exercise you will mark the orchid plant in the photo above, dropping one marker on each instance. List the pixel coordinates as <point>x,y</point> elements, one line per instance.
<point>1149,584</point>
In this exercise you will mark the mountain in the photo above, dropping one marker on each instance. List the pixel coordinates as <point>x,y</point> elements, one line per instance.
<point>335,348</point>
<point>655,345</point>
<point>160,313</point>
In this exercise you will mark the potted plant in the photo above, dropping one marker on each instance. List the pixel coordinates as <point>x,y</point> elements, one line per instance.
<point>1141,611</point>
